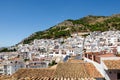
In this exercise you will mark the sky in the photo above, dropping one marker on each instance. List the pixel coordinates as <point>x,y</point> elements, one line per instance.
<point>21,18</point>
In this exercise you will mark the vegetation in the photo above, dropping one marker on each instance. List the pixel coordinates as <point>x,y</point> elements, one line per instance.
<point>26,60</point>
<point>53,63</point>
<point>62,34</point>
<point>85,24</point>
<point>8,50</point>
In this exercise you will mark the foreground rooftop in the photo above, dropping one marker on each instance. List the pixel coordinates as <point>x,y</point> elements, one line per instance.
<point>77,70</point>
<point>63,71</point>
<point>112,64</point>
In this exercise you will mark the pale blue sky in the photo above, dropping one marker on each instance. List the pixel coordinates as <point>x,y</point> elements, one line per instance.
<point>20,18</point>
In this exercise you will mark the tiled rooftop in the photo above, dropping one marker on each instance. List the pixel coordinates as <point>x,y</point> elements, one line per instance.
<point>47,78</point>
<point>64,71</point>
<point>101,54</point>
<point>77,70</point>
<point>34,73</point>
<point>75,61</point>
<point>112,64</point>
<point>5,77</point>
<point>15,59</point>
<point>107,55</point>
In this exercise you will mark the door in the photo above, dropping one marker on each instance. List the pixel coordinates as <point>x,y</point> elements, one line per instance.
<point>118,76</point>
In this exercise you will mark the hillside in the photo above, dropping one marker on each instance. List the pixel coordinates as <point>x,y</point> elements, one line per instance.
<point>85,24</point>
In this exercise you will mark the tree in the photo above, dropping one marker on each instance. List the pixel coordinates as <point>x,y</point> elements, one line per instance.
<point>52,63</point>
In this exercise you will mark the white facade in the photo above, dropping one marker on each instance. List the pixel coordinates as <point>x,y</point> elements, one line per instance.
<point>12,66</point>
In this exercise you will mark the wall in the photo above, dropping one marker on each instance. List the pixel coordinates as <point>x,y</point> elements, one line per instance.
<point>112,74</point>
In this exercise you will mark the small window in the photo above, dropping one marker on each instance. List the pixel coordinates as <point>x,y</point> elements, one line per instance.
<point>34,63</point>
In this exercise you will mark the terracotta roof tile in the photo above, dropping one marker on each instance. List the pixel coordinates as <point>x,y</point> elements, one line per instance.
<point>64,71</point>
<point>107,55</point>
<point>80,70</point>
<point>75,61</point>
<point>112,64</point>
<point>101,54</point>
<point>36,73</point>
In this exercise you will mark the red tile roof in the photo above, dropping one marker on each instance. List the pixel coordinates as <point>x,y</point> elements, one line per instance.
<point>78,70</point>
<point>82,71</point>
<point>107,55</point>
<point>34,73</point>
<point>112,64</point>
<point>75,61</point>
<point>101,54</point>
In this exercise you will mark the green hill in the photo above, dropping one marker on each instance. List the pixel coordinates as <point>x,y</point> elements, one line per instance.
<point>85,24</point>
